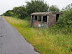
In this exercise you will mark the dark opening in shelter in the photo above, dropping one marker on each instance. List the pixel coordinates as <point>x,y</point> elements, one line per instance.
<point>35,17</point>
<point>57,17</point>
<point>39,18</point>
<point>44,19</point>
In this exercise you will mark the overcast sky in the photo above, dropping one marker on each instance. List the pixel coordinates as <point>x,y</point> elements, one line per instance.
<point>10,4</point>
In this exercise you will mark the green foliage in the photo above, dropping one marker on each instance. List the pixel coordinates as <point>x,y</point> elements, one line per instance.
<point>71,48</point>
<point>54,8</point>
<point>36,6</point>
<point>66,19</point>
<point>27,18</point>
<point>67,8</point>
<point>44,41</point>
<point>64,23</point>
<point>9,13</point>
<point>20,12</point>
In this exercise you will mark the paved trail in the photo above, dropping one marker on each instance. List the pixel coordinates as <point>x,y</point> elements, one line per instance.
<point>11,41</point>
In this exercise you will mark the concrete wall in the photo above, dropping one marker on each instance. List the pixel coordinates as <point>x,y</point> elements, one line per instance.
<point>38,24</point>
<point>52,20</point>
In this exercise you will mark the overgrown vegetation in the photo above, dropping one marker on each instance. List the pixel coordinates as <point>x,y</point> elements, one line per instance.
<point>64,24</point>
<point>45,41</point>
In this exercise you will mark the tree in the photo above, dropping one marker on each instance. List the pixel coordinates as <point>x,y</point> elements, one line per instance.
<point>65,22</point>
<point>54,8</point>
<point>36,6</point>
<point>67,8</point>
<point>20,12</point>
<point>9,13</point>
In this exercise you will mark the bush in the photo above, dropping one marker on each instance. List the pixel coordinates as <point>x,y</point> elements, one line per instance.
<point>64,23</point>
<point>66,19</point>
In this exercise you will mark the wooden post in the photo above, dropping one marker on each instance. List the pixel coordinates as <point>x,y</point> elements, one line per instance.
<point>41,19</point>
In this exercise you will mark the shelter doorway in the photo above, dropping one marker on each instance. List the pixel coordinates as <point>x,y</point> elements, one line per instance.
<point>57,17</point>
<point>44,18</point>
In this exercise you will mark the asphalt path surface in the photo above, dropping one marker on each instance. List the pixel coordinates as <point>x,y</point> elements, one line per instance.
<point>12,42</point>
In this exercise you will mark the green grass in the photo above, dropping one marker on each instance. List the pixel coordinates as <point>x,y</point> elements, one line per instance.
<point>43,40</point>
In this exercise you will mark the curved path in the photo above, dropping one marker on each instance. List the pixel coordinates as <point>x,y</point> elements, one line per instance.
<point>11,41</point>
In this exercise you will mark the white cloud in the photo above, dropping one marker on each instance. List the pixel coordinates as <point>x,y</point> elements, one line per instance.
<point>59,3</point>
<point>9,4</point>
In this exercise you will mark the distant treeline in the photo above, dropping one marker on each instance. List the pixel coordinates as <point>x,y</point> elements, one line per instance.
<point>33,6</point>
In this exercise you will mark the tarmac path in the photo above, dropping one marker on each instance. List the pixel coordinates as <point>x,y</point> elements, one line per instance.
<point>12,42</point>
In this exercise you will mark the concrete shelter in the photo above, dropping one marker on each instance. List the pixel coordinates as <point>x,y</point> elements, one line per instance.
<point>44,19</point>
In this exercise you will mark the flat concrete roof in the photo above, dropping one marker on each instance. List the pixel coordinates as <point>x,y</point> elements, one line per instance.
<point>41,13</point>
<point>45,13</point>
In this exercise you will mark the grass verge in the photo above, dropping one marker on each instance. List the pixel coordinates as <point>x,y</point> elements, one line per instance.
<point>44,41</point>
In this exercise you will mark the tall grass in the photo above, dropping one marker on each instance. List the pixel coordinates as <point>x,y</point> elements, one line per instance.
<point>44,40</point>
